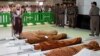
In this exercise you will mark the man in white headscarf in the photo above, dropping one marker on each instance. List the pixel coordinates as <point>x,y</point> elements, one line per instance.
<point>17,21</point>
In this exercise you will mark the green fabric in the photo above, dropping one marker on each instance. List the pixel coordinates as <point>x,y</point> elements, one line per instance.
<point>5,18</point>
<point>28,17</point>
<point>35,17</point>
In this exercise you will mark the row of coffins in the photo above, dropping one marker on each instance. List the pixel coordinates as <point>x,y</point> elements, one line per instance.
<point>48,45</point>
<point>25,44</point>
<point>57,44</point>
<point>63,51</point>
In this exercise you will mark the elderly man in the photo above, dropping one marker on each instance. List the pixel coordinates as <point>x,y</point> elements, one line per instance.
<point>16,20</point>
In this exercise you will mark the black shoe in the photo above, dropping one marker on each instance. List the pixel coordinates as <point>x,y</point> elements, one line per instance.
<point>91,34</point>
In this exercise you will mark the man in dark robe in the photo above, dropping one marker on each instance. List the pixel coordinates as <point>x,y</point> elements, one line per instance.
<point>17,21</point>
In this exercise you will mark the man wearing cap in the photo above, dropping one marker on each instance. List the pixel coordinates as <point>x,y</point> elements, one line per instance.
<point>76,14</point>
<point>56,12</point>
<point>62,15</point>
<point>71,15</point>
<point>95,19</point>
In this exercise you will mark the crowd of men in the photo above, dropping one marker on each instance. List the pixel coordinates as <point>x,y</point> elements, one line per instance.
<point>65,14</point>
<point>61,13</point>
<point>27,8</point>
<point>17,12</point>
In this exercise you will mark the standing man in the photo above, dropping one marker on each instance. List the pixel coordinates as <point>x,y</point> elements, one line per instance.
<point>17,20</point>
<point>71,15</point>
<point>62,15</point>
<point>76,14</point>
<point>56,12</point>
<point>95,19</point>
<point>65,16</point>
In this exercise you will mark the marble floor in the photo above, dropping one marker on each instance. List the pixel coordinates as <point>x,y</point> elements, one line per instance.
<point>6,32</point>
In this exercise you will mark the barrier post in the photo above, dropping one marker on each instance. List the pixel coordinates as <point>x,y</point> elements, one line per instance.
<point>24,20</point>
<point>33,19</point>
<point>41,17</point>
